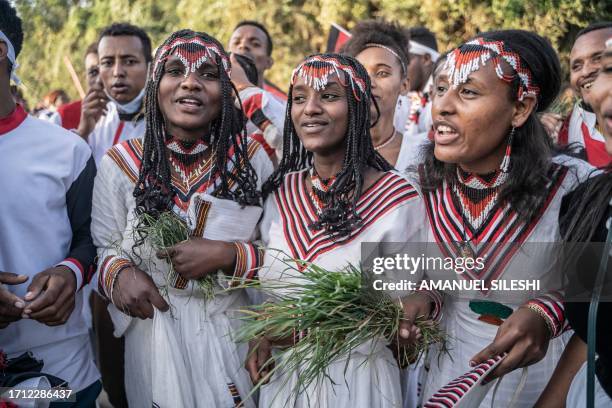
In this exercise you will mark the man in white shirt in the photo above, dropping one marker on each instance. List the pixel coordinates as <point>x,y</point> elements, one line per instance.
<point>46,250</point>
<point>124,53</point>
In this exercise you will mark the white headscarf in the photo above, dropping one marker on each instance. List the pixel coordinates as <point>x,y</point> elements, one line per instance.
<point>11,57</point>
<point>420,49</point>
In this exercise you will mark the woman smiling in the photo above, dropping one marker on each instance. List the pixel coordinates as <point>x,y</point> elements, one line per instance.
<point>197,163</point>
<point>331,192</point>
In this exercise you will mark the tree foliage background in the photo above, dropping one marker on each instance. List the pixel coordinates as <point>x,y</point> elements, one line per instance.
<point>58,28</point>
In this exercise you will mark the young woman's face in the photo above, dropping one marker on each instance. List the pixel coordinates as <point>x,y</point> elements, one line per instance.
<point>320,117</point>
<point>388,82</point>
<point>601,99</point>
<point>189,103</point>
<point>471,121</point>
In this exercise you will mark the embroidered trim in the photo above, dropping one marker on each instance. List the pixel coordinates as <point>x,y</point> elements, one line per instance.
<point>475,54</point>
<point>193,53</point>
<point>249,258</point>
<point>551,308</point>
<point>317,69</point>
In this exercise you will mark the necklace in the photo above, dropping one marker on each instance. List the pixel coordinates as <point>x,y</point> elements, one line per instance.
<point>386,142</point>
<point>186,158</point>
<point>477,196</point>
<point>320,189</point>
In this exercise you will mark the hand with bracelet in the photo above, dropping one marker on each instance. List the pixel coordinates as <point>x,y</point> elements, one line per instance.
<point>524,336</point>
<point>135,294</point>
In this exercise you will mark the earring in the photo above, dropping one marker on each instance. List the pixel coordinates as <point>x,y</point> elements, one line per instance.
<point>505,164</point>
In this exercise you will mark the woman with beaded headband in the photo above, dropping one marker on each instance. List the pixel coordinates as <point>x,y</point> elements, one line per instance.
<point>381,48</point>
<point>491,184</point>
<point>331,192</point>
<point>195,161</point>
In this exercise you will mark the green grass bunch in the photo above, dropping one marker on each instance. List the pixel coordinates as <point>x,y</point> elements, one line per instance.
<point>165,231</point>
<point>336,311</point>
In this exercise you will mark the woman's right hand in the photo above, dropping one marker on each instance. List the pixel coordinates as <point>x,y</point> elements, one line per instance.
<point>135,294</point>
<point>259,362</point>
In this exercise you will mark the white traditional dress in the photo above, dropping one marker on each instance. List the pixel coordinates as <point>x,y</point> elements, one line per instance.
<point>183,357</point>
<point>391,211</point>
<point>489,233</point>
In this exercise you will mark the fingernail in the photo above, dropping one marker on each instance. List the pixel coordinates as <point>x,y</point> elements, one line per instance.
<point>27,311</point>
<point>22,276</point>
<point>19,304</point>
<point>25,316</point>
<point>29,295</point>
<point>472,363</point>
<point>404,333</point>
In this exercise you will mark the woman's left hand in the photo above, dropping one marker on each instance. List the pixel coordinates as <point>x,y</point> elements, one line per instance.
<point>197,257</point>
<point>524,336</point>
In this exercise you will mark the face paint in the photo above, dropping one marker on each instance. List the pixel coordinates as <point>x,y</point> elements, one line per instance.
<point>474,54</point>
<point>316,71</point>
<point>193,53</point>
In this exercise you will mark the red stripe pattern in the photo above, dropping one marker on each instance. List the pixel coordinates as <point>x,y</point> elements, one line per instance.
<point>298,212</point>
<point>550,307</point>
<point>79,272</point>
<point>496,240</point>
<point>109,270</point>
<point>452,393</point>
<point>249,258</point>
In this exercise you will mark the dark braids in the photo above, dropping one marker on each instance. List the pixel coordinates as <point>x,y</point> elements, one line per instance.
<point>339,215</point>
<point>154,192</point>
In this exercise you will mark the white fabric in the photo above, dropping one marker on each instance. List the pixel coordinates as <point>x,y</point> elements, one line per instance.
<point>39,162</point>
<point>35,383</point>
<point>580,115</point>
<point>11,57</point>
<point>101,138</point>
<point>130,107</point>
<point>371,378</point>
<point>274,110</point>
<point>420,49</point>
<point>467,335</point>
<point>577,394</point>
<point>183,357</point>
<point>410,151</point>
<point>402,112</point>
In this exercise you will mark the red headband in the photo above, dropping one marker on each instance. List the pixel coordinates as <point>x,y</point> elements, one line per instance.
<point>193,52</point>
<point>316,71</point>
<point>474,54</point>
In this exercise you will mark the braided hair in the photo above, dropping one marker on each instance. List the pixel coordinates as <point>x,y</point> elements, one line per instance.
<point>339,216</point>
<point>154,192</point>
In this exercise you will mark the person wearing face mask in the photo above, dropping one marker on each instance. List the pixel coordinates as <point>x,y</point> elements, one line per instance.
<point>587,217</point>
<point>112,109</point>
<point>581,127</point>
<point>197,162</point>
<point>493,189</point>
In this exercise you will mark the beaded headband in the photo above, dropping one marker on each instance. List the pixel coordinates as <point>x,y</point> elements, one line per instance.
<point>193,52</point>
<point>384,47</point>
<point>316,70</point>
<point>475,54</point>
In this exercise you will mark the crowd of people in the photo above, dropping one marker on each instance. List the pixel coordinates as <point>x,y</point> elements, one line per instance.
<point>389,140</point>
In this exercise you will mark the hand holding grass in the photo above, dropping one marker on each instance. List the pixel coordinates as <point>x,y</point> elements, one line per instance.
<point>196,258</point>
<point>415,306</point>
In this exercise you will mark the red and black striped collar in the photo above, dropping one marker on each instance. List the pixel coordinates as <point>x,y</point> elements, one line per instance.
<point>13,120</point>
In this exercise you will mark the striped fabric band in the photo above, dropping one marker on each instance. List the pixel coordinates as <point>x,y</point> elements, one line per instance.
<point>550,307</point>
<point>452,394</point>
<point>111,266</point>
<point>249,258</point>
<point>79,272</point>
